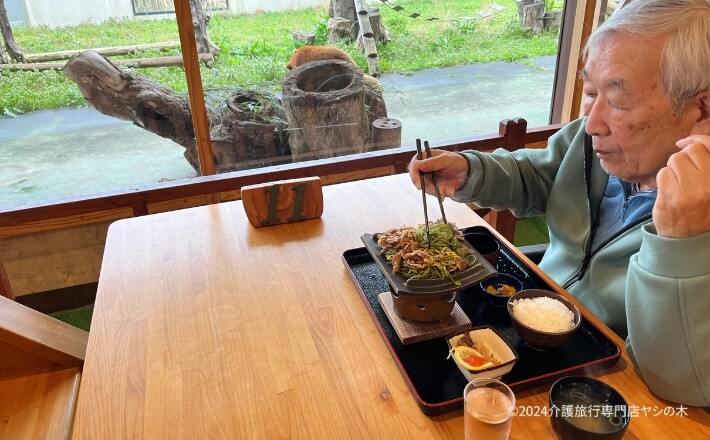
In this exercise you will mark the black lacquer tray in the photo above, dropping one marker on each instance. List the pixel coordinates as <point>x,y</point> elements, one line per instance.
<point>435,381</point>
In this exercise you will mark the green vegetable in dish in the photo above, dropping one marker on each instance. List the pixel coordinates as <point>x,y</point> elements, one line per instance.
<point>406,250</point>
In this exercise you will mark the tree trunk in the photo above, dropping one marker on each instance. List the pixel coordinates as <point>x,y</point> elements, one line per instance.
<point>346,9</point>
<point>13,50</point>
<point>338,29</point>
<point>532,15</point>
<point>343,8</point>
<point>379,31</point>
<point>241,138</point>
<point>325,108</point>
<point>521,8</point>
<point>199,22</point>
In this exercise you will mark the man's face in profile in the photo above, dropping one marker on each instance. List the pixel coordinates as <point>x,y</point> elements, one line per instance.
<point>628,113</point>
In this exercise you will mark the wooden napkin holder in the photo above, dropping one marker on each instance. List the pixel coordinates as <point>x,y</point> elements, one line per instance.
<point>283,201</point>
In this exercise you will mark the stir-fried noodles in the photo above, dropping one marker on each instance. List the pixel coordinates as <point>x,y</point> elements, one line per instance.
<point>406,250</point>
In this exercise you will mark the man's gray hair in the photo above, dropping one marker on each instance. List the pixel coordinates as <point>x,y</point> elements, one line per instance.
<point>685,25</point>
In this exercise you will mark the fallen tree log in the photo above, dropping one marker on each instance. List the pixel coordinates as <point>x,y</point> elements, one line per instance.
<point>105,51</point>
<point>134,62</point>
<point>247,130</point>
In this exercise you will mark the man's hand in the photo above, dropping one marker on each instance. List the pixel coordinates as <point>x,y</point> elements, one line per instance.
<point>451,171</point>
<point>682,206</point>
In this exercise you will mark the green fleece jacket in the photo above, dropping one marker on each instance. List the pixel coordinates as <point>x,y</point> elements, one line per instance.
<point>653,289</point>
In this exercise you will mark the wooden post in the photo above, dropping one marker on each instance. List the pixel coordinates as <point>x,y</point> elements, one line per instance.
<point>343,8</point>
<point>367,38</point>
<point>513,132</point>
<point>386,133</point>
<point>338,29</point>
<point>533,14</point>
<point>308,38</point>
<point>521,8</point>
<point>191,62</point>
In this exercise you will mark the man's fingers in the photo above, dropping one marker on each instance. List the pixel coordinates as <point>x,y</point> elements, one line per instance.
<point>428,164</point>
<point>691,158</point>
<point>698,154</point>
<point>667,179</point>
<point>414,172</point>
<point>704,141</point>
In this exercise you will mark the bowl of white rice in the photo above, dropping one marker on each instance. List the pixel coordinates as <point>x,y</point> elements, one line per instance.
<point>544,319</point>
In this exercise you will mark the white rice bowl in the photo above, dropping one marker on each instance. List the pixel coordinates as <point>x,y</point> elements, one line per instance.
<point>543,314</point>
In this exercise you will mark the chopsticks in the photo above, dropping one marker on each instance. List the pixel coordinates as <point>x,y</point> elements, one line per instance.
<point>423,185</point>
<point>436,185</point>
<point>420,156</point>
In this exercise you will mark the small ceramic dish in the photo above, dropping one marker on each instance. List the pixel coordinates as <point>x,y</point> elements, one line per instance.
<point>486,245</point>
<point>499,288</point>
<point>487,342</point>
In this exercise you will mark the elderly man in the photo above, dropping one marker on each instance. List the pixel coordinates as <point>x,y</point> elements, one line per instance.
<point>624,190</point>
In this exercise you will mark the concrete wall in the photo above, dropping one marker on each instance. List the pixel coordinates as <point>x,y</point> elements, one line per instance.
<point>52,260</point>
<point>57,13</point>
<point>252,6</point>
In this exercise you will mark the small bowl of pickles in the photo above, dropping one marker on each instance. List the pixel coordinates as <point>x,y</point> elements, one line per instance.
<point>499,288</point>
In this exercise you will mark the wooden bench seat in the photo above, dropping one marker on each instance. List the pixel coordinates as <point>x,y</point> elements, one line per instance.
<point>40,370</point>
<point>39,406</point>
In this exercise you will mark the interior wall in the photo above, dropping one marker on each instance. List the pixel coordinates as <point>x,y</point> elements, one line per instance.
<point>45,261</point>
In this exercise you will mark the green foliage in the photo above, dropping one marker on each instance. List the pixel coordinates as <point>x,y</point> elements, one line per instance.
<point>466,27</point>
<point>550,5</point>
<point>321,31</point>
<point>255,48</point>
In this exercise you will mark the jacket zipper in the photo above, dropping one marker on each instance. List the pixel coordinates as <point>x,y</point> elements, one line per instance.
<point>588,256</point>
<point>588,151</point>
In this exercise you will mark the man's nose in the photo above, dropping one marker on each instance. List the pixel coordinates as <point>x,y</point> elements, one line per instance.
<point>596,119</point>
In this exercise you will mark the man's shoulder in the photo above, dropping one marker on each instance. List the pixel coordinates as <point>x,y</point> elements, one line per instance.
<point>571,130</point>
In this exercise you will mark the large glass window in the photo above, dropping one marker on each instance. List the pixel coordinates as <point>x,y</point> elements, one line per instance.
<point>52,143</point>
<point>449,69</point>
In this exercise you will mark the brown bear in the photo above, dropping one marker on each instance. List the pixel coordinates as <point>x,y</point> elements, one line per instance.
<point>306,54</point>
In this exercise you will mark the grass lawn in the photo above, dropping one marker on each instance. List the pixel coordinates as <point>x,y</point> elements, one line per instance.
<point>254,49</point>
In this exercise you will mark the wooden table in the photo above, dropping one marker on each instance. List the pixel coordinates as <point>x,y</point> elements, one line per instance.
<point>205,327</point>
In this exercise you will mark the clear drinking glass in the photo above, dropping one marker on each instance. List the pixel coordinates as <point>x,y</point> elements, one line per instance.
<point>488,405</point>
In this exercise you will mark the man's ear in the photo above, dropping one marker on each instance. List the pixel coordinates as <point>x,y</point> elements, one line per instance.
<point>702,100</point>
